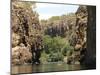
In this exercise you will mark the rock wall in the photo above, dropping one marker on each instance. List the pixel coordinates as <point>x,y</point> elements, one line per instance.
<point>60,25</point>
<point>26,31</point>
<point>85,45</point>
<point>81,33</point>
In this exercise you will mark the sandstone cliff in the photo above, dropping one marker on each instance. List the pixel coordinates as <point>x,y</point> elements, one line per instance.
<point>85,45</point>
<point>25,32</point>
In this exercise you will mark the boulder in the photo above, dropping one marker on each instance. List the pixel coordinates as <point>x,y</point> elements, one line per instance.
<point>21,55</point>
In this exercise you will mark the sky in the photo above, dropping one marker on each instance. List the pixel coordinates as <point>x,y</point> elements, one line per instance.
<point>46,10</point>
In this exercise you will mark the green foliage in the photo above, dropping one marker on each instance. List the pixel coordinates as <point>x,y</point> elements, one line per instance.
<point>44,57</point>
<point>53,43</point>
<point>67,48</point>
<point>47,43</point>
<point>55,48</point>
<point>54,57</point>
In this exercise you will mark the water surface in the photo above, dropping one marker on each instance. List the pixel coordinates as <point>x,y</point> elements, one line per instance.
<point>52,67</point>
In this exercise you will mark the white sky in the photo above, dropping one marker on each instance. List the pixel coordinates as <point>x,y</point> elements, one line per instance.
<point>46,10</point>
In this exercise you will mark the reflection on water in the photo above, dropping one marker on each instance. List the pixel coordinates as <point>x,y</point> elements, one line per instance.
<point>44,68</point>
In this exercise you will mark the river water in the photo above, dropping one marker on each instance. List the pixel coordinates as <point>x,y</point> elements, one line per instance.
<point>53,67</point>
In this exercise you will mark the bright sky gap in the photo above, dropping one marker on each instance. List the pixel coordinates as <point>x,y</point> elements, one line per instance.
<point>47,10</point>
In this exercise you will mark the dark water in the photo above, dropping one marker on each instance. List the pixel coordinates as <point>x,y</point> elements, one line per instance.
<point>44,68</point>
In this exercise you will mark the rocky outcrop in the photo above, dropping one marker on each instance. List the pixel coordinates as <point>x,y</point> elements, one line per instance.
<point>78,39</point>
<point>59,25</point>
<point>26,31</point>
<point>85,36</point>
<point>21,55</point>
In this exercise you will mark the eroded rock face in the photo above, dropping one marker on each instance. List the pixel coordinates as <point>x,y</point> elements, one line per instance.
<point>85,39</point>
<point>81,26</point>
<point>15,39</point>
<point>25,32</point>
<point>21,55</point>
<point>79,37</point>
<point>60,25</point>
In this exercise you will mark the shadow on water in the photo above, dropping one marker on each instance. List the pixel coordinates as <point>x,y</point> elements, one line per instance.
<point>52,67</point>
